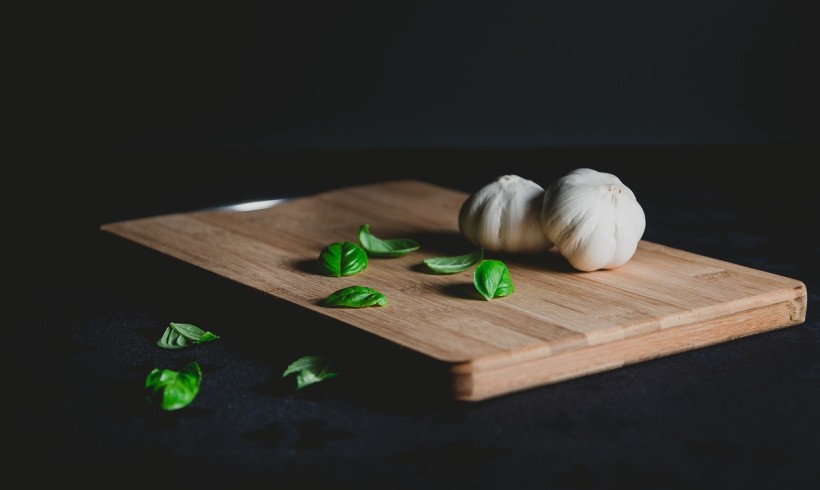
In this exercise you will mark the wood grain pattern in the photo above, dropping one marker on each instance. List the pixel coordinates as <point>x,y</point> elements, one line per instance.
<point>559,323</point>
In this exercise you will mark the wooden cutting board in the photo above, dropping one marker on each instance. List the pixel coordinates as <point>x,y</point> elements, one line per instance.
<point>559,323</point>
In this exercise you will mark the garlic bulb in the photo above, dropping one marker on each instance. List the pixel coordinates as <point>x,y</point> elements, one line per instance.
<point>593,219</point>
<point>505,216</point>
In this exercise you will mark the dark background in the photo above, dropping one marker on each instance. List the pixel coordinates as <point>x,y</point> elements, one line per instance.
<point>707,110</point>
<point>265,75</point>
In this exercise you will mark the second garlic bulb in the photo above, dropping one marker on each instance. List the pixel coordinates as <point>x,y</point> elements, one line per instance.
<point>594,219</point>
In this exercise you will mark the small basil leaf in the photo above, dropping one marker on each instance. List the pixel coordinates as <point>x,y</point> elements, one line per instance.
<point>356,297</point>
<point>342,259</point>
<point>172,390</point>
<point>309,370</point>
<point>171,339</point>
<point>179,335</point>
<point>492,279</point>
<point>393,247</point>
<point>458,263</point>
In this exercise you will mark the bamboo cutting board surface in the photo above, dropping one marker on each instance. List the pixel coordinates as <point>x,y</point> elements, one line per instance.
<point>559,323</point>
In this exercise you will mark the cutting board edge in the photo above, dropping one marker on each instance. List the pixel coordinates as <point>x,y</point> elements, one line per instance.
<point>472,385</point>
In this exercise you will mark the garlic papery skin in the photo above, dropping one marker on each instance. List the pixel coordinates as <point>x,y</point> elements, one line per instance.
<point>505,216</point>
<point>594,219</point>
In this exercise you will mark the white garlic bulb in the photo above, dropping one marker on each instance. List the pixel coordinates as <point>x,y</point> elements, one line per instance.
<point>505,216</point>
<point>594,220</point>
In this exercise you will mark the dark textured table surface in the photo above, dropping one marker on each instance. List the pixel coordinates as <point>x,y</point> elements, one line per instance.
<point>86,308</point>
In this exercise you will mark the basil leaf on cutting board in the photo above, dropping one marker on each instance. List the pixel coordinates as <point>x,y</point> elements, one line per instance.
<point>457,263</point>
<point>172,390</point>
<point>343,258</point>
<point>393,247</point>
<point>179,335</point>
<point>492,279</point>
<point>355,297</point>
<point>309,370</point>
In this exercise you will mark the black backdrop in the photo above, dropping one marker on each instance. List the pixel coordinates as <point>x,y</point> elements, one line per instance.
<point>707,110</point>
<point>267,75</point>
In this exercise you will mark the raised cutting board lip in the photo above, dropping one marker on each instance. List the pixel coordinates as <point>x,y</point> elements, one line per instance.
<point>785,296</point>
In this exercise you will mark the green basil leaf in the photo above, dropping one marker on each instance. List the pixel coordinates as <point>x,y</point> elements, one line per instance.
<point>393,247</point>
<point>458,263</point>
<point>342,259</point>
<point>356,297</point>
<point>492,279</point>
<point>172,390</point>
<point>207,337</point>
<point>179,335</point>
<point>309,370</point>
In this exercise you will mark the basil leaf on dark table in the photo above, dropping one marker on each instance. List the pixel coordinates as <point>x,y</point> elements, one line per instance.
<point>179,335</point>
<point>309,370</point>
<point>172,390</point>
